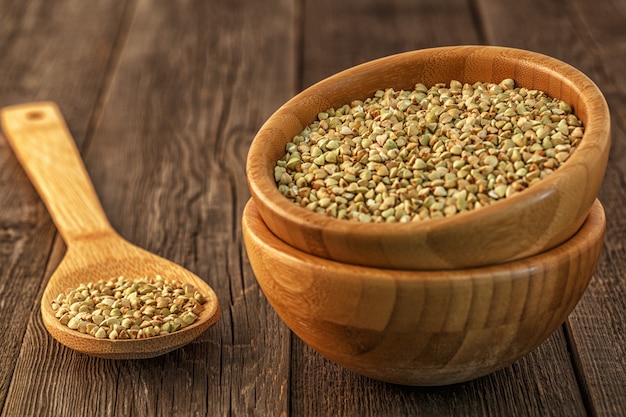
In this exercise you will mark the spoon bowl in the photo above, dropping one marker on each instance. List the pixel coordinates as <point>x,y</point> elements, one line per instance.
<point>95,251</point>
<point>108,256</point>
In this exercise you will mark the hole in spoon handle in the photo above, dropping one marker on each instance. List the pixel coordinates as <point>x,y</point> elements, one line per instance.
<point>44,146</point>
<point>35,115</point>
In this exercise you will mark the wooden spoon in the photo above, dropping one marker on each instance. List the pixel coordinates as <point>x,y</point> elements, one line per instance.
<point>44,146</point>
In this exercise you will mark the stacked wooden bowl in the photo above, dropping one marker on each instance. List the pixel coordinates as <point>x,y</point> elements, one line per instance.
<point>442,300</point>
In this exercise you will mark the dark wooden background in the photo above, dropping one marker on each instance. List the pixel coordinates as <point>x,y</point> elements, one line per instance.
<point>163,98</point>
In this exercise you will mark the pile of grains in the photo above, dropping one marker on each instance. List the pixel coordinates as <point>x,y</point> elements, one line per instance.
<point>402,156</point>
<point>129,309</point>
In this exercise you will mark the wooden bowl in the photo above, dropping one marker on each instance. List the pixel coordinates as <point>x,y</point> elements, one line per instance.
<point>423,327</point>
<point>535,220</point>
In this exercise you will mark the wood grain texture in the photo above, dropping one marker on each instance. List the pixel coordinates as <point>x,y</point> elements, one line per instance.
<point>339,35</point>
<point>42,143</point>
<point>167,158</point>
<point>522,389</point>
<point>178,95</point>
<point>530,387</point>
<point>423,327</point>
<point>44,146</point>
<point>38,43</point>
<point>522,225</point>
<point>60,51</point>
<point>189,113</point>
<point>595,328</point>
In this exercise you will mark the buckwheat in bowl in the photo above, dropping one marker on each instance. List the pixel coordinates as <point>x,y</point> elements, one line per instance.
<point>441,158</point>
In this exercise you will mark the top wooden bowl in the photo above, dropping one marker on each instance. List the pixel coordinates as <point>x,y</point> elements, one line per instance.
<point>535,220</point>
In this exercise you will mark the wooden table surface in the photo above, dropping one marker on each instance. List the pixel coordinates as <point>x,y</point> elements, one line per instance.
<point>163,98</point>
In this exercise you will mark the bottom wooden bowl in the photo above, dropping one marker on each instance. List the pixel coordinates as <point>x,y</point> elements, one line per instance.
<point>423,327</point>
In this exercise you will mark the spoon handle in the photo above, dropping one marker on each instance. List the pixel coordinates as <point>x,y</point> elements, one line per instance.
<point>44,146</point>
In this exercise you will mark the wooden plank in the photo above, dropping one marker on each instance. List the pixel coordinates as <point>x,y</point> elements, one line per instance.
<point>337,36</point>
<point>589,36</point>
<point>195,80</point>
<point>341,34</point>
<point>59,51</point>
<point>26,236</point>
<point>41,58</point>
<point>532,386</point>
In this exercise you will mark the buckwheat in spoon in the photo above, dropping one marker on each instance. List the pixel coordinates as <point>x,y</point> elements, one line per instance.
<point>108,297</point>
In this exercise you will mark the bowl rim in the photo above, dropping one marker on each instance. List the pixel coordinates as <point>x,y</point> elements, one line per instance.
<point>592,230</point>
